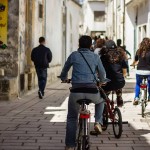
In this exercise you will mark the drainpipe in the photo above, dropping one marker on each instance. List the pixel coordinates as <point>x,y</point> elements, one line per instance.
<point>135,30</point>
<point>113,22</point>
<point>45,20</point>
<point>123,22</point>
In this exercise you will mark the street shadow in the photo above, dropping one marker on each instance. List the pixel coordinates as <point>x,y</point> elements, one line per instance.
<point>56,89</point>
<point>129,87</point>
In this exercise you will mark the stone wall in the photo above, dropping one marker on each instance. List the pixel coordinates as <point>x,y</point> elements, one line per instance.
<point>9,56</point>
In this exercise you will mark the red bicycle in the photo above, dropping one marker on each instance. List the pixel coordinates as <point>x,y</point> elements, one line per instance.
<point>111,112</point>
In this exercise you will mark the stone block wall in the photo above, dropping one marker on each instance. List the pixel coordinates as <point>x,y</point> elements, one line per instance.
<point>8,88</point>
<point>9,56</point>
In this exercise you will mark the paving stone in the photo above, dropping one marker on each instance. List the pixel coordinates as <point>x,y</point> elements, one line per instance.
<point>33,124</point>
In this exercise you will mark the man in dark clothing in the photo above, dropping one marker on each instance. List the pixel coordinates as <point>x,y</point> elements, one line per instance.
<point>41,56</point>
<point>126,53</point>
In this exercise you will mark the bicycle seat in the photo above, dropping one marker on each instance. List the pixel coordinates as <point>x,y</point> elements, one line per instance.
<point>86,101</point>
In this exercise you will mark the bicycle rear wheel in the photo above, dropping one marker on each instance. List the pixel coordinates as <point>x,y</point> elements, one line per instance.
<point>142,108</point>
<point>117,123</point>
<point>83,140</point>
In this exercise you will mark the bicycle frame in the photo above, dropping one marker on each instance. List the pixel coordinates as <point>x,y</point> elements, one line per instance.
<point>109,104</point>
<point>143,97</point>
<point>143,87</point>
<point>110,108</point>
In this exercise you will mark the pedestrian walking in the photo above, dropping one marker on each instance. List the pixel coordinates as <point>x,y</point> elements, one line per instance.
<point>127,54</point>
<point>83,86</point>
<point>41,56</point>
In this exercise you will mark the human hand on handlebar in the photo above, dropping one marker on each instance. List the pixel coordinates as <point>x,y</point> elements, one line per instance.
<point>66,81</point>
<point>102,84</point>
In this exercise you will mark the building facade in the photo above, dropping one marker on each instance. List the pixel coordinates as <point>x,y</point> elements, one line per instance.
<point>21,24</point>
<point>94,17</point>
<point>128,20</point>
<point>137,22</point>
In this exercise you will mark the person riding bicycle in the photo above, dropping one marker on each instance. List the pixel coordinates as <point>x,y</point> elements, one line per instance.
<point>113,60</point>
<point>83,80</point>
<point>143,67</point>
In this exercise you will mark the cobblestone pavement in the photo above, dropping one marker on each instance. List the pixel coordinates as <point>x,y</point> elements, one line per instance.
<point>34,124</point>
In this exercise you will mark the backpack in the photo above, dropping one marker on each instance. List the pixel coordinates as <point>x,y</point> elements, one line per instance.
<point>113,55</point>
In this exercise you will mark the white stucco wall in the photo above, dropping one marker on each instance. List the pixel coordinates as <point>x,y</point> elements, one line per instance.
<point>88,17</point>
<point>143,10</point>
<point>37,24</point>
<point>109,20</point>
<point>133,37</point>
<point>97,6</point>
<point>74,20</point>
<point>130,30</point>
<point>54,29</point>
<point>88,10</point>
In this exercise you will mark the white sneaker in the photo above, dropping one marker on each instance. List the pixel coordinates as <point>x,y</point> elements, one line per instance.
<point>98,128</point>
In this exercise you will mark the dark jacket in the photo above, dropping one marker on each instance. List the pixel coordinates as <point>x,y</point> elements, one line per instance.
<point>41,56</point>
<point>114,71</point>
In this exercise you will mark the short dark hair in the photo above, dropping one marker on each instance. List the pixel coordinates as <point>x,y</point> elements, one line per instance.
<point>85,41</point>
<point>118,42</point>
<point>41,39</point>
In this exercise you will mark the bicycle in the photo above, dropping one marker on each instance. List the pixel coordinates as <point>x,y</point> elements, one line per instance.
<point>112,113</point>
<point>143,94</point>
<point>84,125</point>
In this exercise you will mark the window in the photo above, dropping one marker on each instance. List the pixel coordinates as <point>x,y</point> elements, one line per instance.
<point>99,16</point>
<point>40,11</point>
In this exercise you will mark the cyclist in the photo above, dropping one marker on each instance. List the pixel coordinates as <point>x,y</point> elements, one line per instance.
<point>83,80</point>
<point>113,60</point>
<point>99,44</point>
<point>143,67</point>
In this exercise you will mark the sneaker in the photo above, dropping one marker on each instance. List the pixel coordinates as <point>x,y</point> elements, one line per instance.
<point>119,101</point>
<point>69,148</point>
<point>136,101</point>
<point>98,128</point>
<point>40,94</point>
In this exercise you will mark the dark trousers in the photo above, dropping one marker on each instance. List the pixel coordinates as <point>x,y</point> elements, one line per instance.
<point>128,67</point>
<point>42,78</point>
<point>114,86</point>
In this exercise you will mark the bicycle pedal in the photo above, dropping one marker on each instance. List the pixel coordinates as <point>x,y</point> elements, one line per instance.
<point>93,133</point>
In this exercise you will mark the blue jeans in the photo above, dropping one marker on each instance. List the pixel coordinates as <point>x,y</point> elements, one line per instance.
<point>138,82</point>
<point>42,78</point>
<point>72,117</point>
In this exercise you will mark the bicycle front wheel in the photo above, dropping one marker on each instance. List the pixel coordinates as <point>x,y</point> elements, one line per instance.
<point>142,108</point>
<point>117,123</point>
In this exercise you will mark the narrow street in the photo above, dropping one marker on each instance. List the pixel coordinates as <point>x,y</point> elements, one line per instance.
<point>34,124</point>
